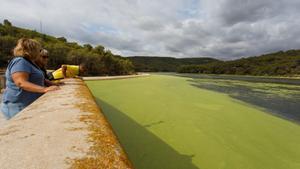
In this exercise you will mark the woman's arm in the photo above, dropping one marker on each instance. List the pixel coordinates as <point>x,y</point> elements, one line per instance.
<point>21,80</point>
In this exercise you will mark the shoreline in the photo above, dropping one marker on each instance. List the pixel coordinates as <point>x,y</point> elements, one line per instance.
<point>114,77</point>
<point>257,79</point>
<point>295,77</point>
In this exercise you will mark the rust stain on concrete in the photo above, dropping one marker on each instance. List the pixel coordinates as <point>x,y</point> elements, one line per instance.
<point>105,152</point>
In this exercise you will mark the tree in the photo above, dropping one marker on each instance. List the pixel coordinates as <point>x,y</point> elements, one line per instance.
<point>62,39</point>
<point>7,23</point>
<point>99,49</point>
<point>7,43</point>
<point>88,47</point>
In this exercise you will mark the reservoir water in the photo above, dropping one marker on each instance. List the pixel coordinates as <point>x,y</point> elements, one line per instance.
<point>278,96</point>
<point>203,122</point>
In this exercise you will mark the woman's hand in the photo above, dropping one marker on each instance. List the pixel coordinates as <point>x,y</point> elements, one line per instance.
<point>51,88</point>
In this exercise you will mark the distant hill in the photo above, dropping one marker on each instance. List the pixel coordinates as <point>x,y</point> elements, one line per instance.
<point>165,64</point>
<point>279,63</point>
<point>99,60</point>
<point>286,63</point>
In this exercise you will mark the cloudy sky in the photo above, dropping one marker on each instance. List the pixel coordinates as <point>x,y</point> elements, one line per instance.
<point>224,29</point>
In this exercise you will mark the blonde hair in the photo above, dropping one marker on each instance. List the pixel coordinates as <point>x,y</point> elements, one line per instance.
<point>29,48</point>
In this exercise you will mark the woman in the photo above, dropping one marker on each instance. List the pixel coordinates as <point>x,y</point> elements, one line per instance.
<point>42,61</point>
<point>24,79</point>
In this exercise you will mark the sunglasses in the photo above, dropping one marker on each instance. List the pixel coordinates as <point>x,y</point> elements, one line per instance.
<point>45,57</point>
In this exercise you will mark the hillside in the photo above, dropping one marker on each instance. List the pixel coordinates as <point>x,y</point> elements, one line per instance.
<point>99,60</point>
<point>273,64</point>
<point>279,63</point>
<point>164,64</point>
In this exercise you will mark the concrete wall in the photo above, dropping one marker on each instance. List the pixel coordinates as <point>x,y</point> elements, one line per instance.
<point>62,129</point>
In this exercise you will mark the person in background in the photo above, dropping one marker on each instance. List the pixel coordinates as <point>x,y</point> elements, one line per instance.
<point>24,79</point>
<point>67,71</point>
<point>42,62</point>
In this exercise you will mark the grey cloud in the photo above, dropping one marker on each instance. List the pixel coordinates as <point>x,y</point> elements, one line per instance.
<point>112,41</point>
<point>150,24</point>
<point>220,28</point>
<point>235,11</point>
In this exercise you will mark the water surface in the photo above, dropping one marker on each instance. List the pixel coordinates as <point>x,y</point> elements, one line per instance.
<point>171,122</point>
<point>279,96</point>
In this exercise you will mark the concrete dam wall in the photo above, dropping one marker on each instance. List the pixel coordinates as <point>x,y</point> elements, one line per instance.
<point>62,129</point>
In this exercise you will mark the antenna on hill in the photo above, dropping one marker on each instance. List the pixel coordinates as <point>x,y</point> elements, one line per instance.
<point>41,26</point>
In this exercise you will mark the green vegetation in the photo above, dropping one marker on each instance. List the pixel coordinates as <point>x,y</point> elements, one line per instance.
<point>166,122</point>
<point>165,64</point>
<point>280,63</point>
<point>99,60</point>
<point>274,64</point>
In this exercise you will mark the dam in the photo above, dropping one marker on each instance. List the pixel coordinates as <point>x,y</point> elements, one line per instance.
<point>62,129</point>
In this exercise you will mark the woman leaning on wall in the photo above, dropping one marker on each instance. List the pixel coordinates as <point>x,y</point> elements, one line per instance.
<point>24,79</point>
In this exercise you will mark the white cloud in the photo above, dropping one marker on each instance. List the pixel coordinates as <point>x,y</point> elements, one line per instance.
<point>180,28</point>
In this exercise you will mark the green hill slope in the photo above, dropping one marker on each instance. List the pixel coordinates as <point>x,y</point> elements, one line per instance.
<point>279,63</point>
<point>165,64</point>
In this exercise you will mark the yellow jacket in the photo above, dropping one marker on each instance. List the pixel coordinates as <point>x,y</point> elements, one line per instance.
<point>71,71</point>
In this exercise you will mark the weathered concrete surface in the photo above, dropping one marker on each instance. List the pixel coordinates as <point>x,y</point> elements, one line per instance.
<point>62,129</point>
<point>115,77</point>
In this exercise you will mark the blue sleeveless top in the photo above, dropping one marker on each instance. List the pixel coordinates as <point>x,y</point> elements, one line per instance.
<point>13,93</point>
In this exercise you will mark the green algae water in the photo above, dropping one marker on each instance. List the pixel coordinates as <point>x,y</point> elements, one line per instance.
<point>278,96</point>
<point>171,122</point>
